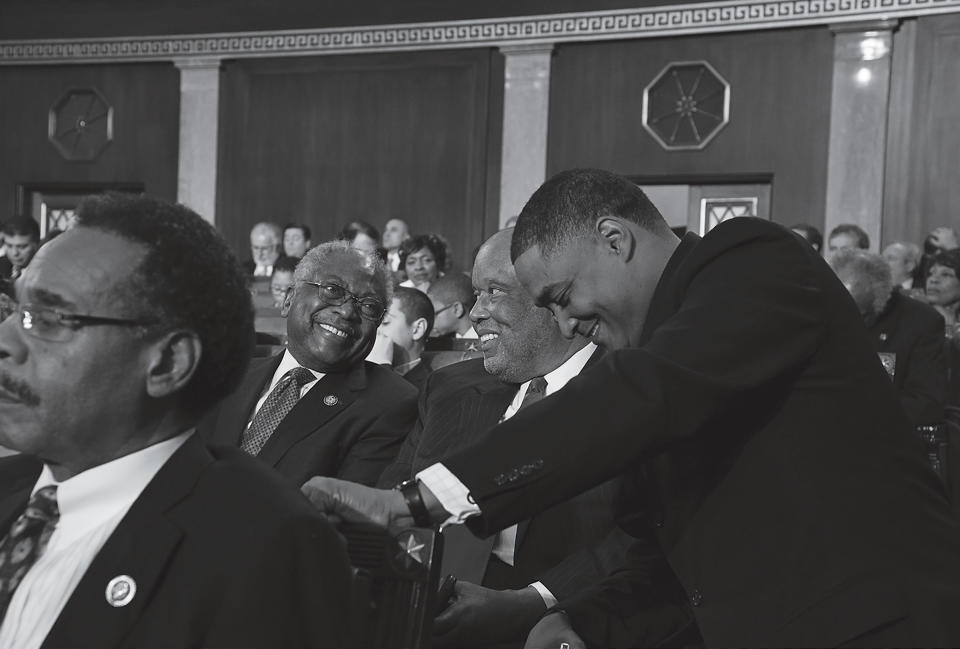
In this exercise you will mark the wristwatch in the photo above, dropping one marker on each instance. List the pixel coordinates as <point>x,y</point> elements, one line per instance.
<point>414,499</point>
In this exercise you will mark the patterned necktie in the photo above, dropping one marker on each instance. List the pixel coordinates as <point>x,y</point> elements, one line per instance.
<point>26,541</point>
<point>535,391</point>
<point>278,404</point>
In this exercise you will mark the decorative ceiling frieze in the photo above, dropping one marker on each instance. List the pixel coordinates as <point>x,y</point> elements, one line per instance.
<point>666,20</point>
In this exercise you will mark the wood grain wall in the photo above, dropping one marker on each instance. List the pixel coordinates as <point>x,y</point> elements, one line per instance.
<point>922,180</point>
<point>146,102</point>
<point>328,140</point>
<point>780,112</point>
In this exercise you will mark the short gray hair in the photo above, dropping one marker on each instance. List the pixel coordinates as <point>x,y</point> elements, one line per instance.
<point>911,250</point>
<point>370,262</point>
<point>266,227</point>
<point>870,270</point>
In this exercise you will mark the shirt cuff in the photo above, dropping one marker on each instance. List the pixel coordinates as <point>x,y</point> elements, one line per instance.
<point>451,493</point>
<point>545,593</point>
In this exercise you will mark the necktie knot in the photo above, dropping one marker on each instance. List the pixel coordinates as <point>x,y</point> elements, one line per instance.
<point>43,505</point>
<point>301,376</point>
<point>535,391</point>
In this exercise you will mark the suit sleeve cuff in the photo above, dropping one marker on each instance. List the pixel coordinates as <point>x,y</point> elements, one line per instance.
<point>545,593</point>
<point>451,493</point>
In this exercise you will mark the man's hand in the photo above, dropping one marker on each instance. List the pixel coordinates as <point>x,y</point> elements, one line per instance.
<point>480,617</point>
<point>553,631</point>
<point>356,503</point>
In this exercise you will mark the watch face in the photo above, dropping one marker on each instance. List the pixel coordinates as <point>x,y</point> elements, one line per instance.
<point>80,124</point>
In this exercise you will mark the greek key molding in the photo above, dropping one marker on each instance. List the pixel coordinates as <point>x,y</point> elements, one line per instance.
<point>667,20</point>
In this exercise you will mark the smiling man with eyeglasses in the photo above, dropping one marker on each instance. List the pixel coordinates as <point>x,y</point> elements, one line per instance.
<point>319,408</point>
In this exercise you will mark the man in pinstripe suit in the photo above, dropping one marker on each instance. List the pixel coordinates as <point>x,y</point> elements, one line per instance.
<point>526,568</point>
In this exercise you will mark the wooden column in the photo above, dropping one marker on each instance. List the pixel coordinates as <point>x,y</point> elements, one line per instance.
<point>526,108</point>
<point>858,126</point>
<point>199,114</point>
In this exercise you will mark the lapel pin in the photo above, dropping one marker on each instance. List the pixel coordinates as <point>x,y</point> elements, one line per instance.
<point>883,337</point>
<point>120,590</point>
<point>331,400</point>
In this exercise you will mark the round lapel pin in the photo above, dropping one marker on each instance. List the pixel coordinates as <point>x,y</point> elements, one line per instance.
<point>331,400</point>
<point>120,590</point>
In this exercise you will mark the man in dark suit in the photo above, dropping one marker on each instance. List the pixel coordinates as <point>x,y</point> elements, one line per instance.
<point>345,417</point>
<point>524,570</point>
<point>21,239</point>
<point>119,527</point>
<point>742,401</point>
<point>907,334</point>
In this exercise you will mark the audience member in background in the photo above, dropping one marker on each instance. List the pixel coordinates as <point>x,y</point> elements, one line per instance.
<point>22,238</point>
<point>453,297</point>
<point>129,531</point>
<point>902,257</point>
<point>939,240</point>
<point>507,582</point>
<point>810,233</point>
<point>265,245</point>
<point>424,258</point>
<point>943,286</point>
<point>907,334</point>
<point>319,408</point>
<point>296,240</point>
<point>407,324</point>
<point>282,279</point>
<point>395,232</point>
<point>775,461</point>
<point>847,235</point>
<point>361,236</point>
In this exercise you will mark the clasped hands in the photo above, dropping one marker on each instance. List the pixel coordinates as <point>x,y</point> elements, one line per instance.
<point>357,503</point>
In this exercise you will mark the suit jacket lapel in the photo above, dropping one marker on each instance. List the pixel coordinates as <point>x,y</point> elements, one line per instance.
<point>139,548</point>
<point>235,412</point>
<point>325,400</point>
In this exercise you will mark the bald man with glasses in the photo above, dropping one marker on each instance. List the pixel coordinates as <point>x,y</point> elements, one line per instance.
<point>319,408</point>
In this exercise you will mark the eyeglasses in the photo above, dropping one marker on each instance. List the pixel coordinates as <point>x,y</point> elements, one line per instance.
<point>333,294</point>
<point>57,326</point>
<point>444,308</point>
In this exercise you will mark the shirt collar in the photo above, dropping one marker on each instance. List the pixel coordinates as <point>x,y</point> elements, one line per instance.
<point>559,377</point>
<point>287,363</point>
<point>96,495</point>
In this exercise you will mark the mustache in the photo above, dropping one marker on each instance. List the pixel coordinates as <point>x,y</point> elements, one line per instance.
<point>19,389</point>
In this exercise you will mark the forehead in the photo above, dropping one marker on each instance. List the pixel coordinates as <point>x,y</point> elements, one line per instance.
<point>544,275</point>
<point>421,252</point>
<point>351,270</point>
<point>80,267</point>
<point>293,232</point>
<point>262,236</point>
<point>943,270</point>
<point>18,239</point>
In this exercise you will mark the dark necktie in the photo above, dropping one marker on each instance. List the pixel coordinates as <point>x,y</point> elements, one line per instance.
<point>535,391</point>
<point>277,405</point>
<point>26,541</point>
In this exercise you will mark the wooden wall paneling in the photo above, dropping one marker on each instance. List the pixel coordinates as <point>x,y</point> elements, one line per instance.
<point>145,98</point>
<point>779,112</point>
<point>329,140</point>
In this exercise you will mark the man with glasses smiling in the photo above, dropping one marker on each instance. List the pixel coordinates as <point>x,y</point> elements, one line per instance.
<point>319,408</point>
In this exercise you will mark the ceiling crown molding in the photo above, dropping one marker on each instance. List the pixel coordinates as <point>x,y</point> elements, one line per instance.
<point>666,20</point>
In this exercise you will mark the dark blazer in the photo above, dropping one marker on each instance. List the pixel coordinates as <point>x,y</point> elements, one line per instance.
<point>557,547</point>
<point>752,417</point>
<point>349,425</point>
<point>909,338</point>
<point>418,375</point>
<point>224,555</point>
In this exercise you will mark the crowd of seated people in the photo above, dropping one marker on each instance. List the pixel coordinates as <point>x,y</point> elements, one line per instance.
<point>375,359</point>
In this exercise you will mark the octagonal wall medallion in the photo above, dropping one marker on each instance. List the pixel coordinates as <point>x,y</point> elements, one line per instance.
<point>80,124</point>
<point>686,105</point>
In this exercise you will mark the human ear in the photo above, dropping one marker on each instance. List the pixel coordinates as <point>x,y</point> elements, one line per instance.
<point>614,236</point>
<point>285,307</point>
<point>418,330</point>
<point>173,360</point>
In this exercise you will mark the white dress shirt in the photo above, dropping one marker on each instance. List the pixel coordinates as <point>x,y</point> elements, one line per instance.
<point>455,497</point>
<point>91,506</point>
<point>287,363</point>
<point>263,271</point>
